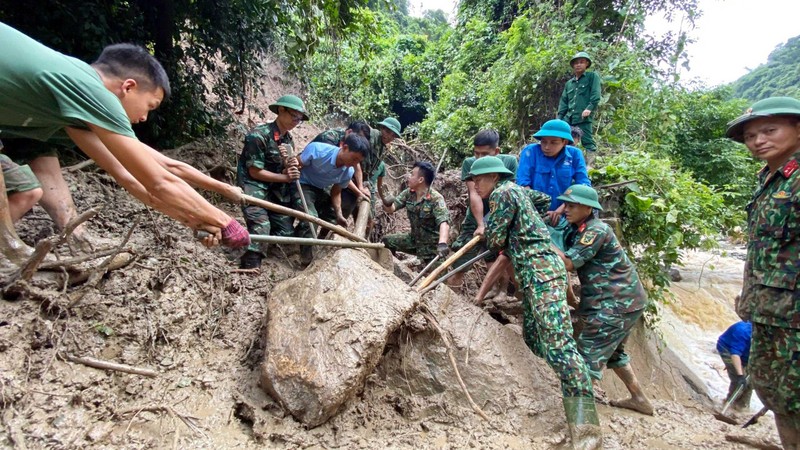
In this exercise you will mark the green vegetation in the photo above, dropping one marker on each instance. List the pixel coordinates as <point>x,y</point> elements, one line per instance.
<point>780,76</point>
<point>502,65</point>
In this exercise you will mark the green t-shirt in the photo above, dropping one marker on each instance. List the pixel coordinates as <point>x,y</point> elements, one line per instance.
<point>43,91</point>
<point>509,161</point>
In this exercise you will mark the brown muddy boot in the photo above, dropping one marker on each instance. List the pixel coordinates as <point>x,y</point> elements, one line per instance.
<point>583,423</point>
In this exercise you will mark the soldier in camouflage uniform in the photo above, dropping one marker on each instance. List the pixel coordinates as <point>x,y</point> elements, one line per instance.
<point>388,130</point>
<point>427,213</point>
<point>770,296</point>
<point>612,297</point>
<point>485,143</point>
<point>262,172</point>
<point>515,228</point>
<point>356,189</point>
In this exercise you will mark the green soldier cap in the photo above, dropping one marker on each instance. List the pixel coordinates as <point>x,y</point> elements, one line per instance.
<point>555,128</point>
<point>291,102</point>
<point>392,124</point>
<point>581,55</point>
<point>489,164</point>
<point>583,195</point>
<point>773,106</point>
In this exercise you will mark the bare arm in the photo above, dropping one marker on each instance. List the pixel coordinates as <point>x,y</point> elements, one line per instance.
<point>476,207</point>
<point>444,232</point>
<point>567,262</point>
<point>162,190</point>
<point>267,176</point>
<point>194,177</point>
<point>499,267</point>
<point>736,360</point>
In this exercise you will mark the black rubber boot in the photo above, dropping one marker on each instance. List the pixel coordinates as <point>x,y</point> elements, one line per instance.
<point>251,260</point>
<point>306,255</point>
<point>583,422</point>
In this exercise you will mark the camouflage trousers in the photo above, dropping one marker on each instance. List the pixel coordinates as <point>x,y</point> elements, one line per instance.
<point>775,371</point>
<point>404,242</point>
<point>547,330</point>
<point>350,203</point>
<point>264,222</point>
<point>602,338</point>
<point>319,205</point>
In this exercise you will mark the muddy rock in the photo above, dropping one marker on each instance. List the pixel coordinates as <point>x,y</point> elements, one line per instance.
<point>500,372</point>
<point>326,331</point>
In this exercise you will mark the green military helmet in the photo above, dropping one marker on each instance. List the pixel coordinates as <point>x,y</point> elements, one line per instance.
<point>392,124</point>
<point>773,106</point>
<point>581,55</point>
<point>291,102</point>
<point>489,164</point>
<point>581,194</point>
<point>555,128</point>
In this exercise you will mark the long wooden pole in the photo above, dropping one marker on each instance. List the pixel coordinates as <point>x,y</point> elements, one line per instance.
<point>299,187</point>
<point>449,262</point>
<point>302,216</point>
<point>307,241</point>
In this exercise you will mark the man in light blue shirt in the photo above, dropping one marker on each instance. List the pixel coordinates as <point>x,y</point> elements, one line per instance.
<point>324,171</point>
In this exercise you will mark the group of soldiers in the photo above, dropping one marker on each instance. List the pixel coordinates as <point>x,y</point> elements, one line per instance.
<point>538,216</point>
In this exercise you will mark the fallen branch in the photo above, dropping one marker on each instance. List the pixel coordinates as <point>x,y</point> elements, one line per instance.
<point>106,365</point>
<point>432,320</point>
<point>613,185</point>
<point>79,166</point>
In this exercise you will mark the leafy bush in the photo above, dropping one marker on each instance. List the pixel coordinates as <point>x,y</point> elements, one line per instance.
<point>665,211</point>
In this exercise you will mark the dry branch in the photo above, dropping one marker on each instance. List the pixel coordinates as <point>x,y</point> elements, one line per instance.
<point>432,320</point>
<point>106,365</point>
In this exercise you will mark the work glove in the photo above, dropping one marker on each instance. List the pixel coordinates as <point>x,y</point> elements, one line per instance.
<point>234,235</point>
<point>442,250</point>
<point>739,380</point>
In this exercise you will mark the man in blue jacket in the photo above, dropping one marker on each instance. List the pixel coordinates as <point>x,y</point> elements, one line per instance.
<point>734,349</point>
<point>552,166</point>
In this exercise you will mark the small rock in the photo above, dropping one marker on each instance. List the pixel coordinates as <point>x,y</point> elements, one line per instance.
<point>675,275</point>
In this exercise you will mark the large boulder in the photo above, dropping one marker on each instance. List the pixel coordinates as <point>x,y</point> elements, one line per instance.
<point>501,374</point>
<point>326,331</point>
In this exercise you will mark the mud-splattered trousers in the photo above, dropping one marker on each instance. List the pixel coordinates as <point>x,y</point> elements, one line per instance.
<point>515,227</point>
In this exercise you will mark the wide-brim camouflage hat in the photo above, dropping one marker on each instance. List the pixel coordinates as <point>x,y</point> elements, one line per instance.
<point>489,164</point>
<point>773,106</point>
<point>581,55</point>
<point>291,102</point>
<point>582,195</point>
<point>392,124</point>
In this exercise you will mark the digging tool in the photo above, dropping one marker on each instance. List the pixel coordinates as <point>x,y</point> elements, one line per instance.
<point>721,416</point>
<point>302,216</point>
<point>755,418</point>
<point>290,155</point>
<point>304,241</point>
<point>422,272</point>
<point>449,262</point>
<point>455,271</point>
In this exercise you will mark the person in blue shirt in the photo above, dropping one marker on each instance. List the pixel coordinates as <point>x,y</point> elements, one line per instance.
<point>552,166</point>
<point>324,171</point>
<point>734,348</point>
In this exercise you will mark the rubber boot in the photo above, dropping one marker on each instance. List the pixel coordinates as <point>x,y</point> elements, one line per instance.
<point>790,435</point>
<point>583,422</point>
<point>306,255</point>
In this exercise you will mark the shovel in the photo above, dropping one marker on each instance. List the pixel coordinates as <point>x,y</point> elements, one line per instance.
<point>449,262</point>
<point>290,155</point>
<point>454,271</point>
<point>423,271</point>
<point>755,418</point>
<point>721,416</point>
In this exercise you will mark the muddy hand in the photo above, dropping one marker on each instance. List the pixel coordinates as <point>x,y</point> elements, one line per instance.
<point>208,238</point>
<point>293,172</point>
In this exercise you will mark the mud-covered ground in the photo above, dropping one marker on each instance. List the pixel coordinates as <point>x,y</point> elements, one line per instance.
<point>177,309</point>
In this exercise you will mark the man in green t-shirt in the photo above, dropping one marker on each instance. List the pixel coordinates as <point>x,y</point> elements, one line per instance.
<point>48,96</point>
<point>485,143</point>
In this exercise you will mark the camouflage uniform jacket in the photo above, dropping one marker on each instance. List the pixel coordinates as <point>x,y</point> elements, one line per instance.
<point>333,136</point>
<point>515,227</point>
<point>425,215</point>
<point>609,281</point>
<point>373,159</point>
<point>769,295</point>
<point>261,151</point>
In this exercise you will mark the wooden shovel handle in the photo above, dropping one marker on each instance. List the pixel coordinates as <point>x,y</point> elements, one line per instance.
<point>449,262</point>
